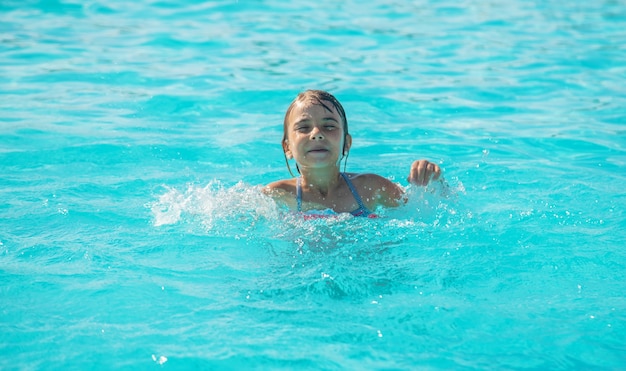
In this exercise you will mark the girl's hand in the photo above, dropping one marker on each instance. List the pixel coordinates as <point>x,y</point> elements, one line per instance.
<point>422,171</point>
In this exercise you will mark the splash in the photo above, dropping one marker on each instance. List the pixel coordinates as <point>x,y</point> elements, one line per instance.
<point>245,212</point>
<point>213,204</point>
<point>435,204</point>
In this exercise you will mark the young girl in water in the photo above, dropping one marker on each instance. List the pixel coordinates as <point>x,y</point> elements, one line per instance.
<point>316,137</point>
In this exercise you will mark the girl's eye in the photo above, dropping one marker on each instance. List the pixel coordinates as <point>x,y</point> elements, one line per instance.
<point>330,127</point>
<point>302,129</point>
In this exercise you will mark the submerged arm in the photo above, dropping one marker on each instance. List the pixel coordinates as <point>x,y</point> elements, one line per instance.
<point>422,172</point>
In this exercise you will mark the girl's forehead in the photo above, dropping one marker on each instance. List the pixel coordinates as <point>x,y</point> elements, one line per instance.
<point>309,108</point>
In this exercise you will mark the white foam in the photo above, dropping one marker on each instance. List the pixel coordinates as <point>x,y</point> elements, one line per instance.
<point>211,203</point>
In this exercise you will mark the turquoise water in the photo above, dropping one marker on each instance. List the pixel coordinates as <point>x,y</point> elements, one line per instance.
<point>134,137</point>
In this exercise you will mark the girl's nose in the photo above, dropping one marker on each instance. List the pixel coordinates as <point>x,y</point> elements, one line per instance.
<point>316,134</point>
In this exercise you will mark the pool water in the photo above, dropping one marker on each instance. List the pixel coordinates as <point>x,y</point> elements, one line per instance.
<point>135,137</point>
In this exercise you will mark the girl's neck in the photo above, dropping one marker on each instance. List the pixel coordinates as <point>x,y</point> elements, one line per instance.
<point>322,181</point>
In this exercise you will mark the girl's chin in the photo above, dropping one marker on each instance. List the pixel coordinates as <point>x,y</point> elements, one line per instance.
<point>319,158</point>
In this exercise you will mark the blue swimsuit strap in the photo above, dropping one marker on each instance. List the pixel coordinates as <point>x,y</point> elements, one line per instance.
<point>362,208</point>
<point>358,212</point>
<point>299,193</point>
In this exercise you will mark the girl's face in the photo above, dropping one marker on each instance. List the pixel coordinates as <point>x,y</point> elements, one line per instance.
<point>315,136</point>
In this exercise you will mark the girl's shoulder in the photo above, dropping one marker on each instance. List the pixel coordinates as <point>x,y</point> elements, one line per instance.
<point>282,191</point>
<point>376,188</point>
<point>284,184</point>
<point>281,188</point>
<point>369,180</point>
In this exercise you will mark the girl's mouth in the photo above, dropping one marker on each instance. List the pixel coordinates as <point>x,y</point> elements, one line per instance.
<point>318,150</point>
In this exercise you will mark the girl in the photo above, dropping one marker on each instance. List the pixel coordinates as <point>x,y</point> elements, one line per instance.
<point>316,137</point>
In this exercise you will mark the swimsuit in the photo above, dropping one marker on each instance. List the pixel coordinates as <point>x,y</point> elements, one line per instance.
<point>361,211</point>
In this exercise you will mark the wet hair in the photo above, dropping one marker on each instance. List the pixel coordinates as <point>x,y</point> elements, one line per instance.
<point>317,97</point>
